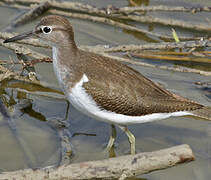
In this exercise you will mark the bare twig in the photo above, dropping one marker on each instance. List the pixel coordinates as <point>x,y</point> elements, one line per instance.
<point>168,22</point>
<point>64,5</point>
<point>7,74</point>
<point>130,166</point>
<point>149,46</point>
<point>171,58</point>
<point>129,10</point>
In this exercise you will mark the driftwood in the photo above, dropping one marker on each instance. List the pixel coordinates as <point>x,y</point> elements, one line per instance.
<point>119,167</point>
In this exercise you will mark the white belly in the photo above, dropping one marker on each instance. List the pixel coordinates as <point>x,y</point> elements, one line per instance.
<point>84,103</point>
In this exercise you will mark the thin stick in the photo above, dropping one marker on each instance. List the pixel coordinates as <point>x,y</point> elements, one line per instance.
<point>129,10</point>
<point>171,58</point>
<point>149,46</point>
<point>168,22</point>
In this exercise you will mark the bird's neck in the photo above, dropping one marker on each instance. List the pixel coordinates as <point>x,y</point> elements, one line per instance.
<point>65,64</point>
<point>64,55</point>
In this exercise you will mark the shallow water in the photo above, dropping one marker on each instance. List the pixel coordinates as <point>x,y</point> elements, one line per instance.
<point>35,143</point>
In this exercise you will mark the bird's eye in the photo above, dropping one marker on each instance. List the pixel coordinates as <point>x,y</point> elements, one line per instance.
<point>46,29</point>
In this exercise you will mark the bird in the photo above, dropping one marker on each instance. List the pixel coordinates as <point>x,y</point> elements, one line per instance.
<point>105,89</point>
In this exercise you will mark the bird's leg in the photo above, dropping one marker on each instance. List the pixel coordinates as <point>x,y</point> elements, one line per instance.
<point>131,138</point>
<point>112,138</point>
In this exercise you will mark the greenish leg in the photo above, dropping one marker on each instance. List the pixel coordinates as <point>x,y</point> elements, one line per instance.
<point>112,138</point>
<point>131,138</point>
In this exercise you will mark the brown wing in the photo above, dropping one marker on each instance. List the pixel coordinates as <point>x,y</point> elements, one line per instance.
<point>118,88</point>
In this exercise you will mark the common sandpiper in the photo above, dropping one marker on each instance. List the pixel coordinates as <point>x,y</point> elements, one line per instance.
<point>105,89</point>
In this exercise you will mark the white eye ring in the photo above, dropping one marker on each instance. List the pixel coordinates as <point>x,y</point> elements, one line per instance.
<point>46,29</point>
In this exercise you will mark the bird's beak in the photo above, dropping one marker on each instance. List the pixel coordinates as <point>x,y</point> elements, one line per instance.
<point>20,37</point>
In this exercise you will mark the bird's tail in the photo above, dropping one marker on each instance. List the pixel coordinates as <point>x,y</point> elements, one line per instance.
<point>204,113</point>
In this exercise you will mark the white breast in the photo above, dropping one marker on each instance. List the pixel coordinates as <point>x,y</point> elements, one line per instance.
<point>55,62</point>
<point>85,103</point>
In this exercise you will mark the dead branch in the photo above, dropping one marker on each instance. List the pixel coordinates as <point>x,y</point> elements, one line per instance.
<point>168,22</point>
<point>65,5</point>
<point>149,46</point>
<point>171,58</point>
<point>123,166</point>
<point>8,74</point>
<point>129,10</point>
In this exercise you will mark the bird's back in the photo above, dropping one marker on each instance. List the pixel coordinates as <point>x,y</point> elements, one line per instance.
<point>120,89</point>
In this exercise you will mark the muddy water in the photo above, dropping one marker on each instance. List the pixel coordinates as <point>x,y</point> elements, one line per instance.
<point>34,143</point>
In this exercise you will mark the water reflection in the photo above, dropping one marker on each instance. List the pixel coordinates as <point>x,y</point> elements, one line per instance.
<point>21,130</point>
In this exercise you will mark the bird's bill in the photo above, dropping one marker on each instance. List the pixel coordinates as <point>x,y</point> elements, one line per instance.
<point>20,37</point>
